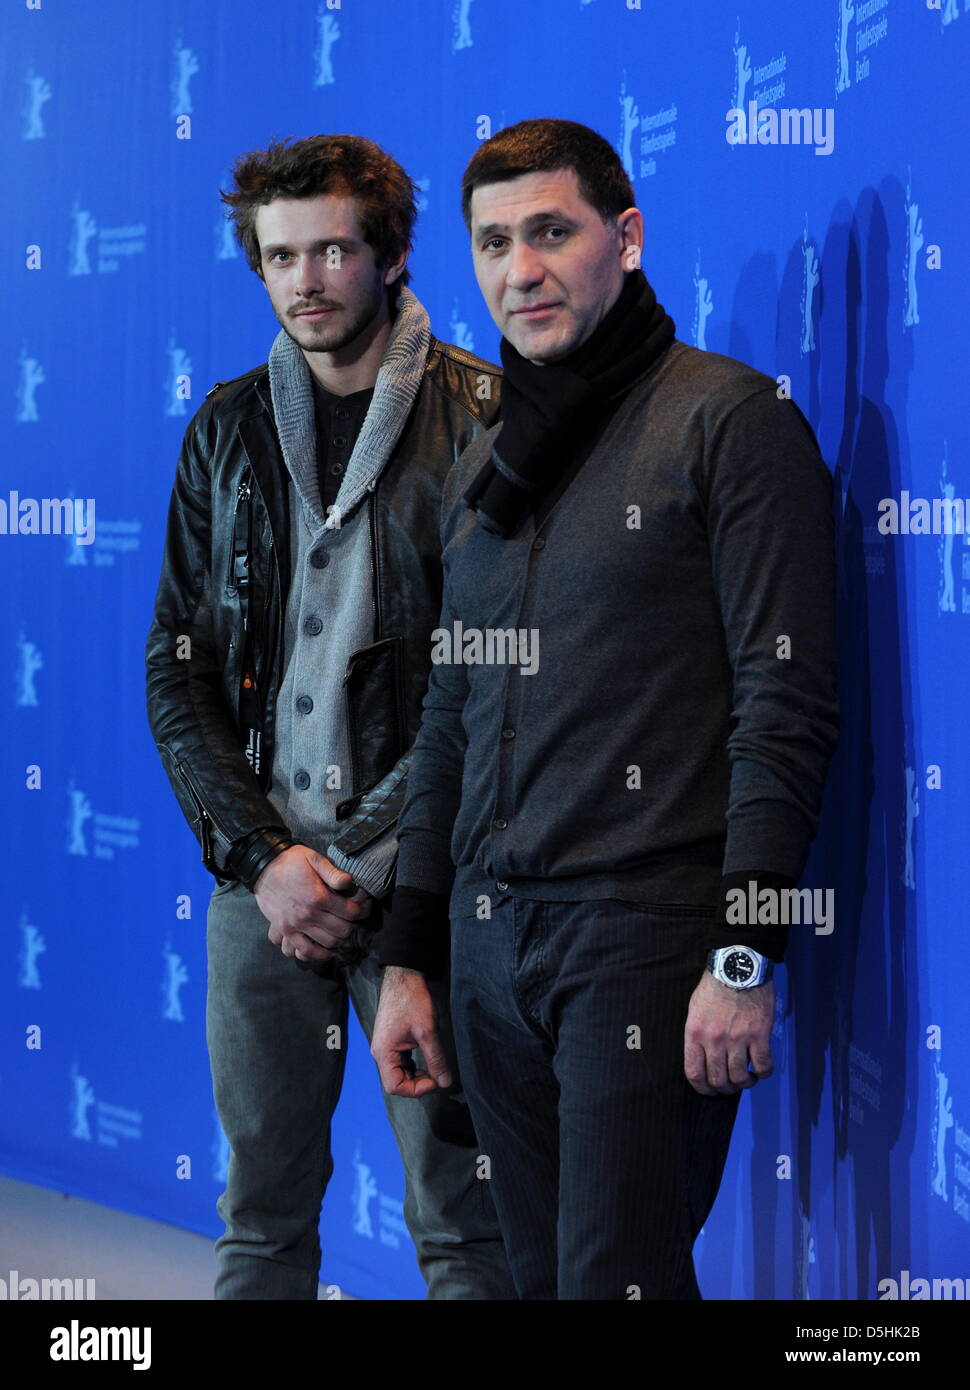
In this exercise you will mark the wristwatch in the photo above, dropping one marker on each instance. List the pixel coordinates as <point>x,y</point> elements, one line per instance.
<point>739,967</point>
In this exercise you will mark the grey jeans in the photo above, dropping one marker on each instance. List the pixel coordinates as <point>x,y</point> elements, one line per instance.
<point>276,1084</point>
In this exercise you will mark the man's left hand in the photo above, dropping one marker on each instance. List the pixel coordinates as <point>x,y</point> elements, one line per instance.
<point>406,1019</point>
<point>725,1027</point>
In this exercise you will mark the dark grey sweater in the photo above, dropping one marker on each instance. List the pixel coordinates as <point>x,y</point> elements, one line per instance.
<point>680,597</point>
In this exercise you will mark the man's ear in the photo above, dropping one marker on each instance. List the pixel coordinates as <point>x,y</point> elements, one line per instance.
<point>394,269</point>
<point>630,226</point>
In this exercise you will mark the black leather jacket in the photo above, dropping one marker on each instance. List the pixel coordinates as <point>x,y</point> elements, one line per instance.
<point>214,605</point>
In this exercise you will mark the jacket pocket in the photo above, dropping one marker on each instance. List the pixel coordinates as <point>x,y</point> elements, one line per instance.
<point>376,726</point>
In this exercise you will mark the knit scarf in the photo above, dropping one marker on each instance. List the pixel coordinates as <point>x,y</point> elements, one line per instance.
<point>398,379</point>
<point>545,405</point>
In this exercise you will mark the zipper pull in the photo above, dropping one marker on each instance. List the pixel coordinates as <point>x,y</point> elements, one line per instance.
<point>239,555</point>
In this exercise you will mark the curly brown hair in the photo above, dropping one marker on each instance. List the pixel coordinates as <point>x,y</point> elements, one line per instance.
<point>342,164</point>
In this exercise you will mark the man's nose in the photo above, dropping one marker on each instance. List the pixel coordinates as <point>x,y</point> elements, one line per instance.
<point>310,276</point>
<point>524,267</point>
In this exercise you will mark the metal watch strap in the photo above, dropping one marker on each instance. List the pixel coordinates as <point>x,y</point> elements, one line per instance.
<point>719,953</point>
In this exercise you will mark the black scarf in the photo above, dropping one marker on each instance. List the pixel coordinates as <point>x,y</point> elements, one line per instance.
<point>544,406</point>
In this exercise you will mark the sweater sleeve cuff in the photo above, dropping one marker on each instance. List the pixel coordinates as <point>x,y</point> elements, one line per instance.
<point>415,932</point>
<point>737,922</point>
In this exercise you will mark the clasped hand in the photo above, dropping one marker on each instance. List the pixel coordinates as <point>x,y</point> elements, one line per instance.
<point>309,904</point>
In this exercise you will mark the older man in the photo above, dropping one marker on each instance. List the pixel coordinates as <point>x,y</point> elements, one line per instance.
<point>657,523</point>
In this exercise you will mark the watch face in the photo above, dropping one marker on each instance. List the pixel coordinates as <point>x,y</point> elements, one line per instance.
<point>739,967</point>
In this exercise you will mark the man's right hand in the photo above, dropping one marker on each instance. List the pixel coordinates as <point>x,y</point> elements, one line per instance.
<point>406,1020</point>
<point>308,903</point>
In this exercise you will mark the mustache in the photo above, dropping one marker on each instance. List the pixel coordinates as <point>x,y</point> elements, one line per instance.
<point>315,304</point>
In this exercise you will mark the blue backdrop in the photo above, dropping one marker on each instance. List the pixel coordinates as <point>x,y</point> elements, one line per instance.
<point>836,263</point>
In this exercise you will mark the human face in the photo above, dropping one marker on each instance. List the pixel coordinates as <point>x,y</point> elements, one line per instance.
<point>547,265</point>
<point>323,284</point>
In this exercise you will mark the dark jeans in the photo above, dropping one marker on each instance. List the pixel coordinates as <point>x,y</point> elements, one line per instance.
<point>276,1084</point>
<point>605,1162</point>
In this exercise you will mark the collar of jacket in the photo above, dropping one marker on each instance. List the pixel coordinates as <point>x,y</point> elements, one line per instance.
<point>398,379</point>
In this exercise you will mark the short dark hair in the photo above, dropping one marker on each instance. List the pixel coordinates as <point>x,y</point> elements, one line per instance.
<point>340,164</point>
<point>536,146</point>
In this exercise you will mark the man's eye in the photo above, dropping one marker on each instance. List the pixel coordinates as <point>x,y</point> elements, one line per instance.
<point>492,243</point>
<point>560,230</point>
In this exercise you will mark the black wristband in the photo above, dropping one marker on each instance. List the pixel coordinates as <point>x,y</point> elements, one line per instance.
<point>249,856</point>
<point>415,932</point>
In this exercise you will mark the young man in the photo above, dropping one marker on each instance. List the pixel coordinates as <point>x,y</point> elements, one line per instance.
<point>649,532</point>
<point>286,665</point>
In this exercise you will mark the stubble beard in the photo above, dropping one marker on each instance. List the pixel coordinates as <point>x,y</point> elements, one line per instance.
<point>328,337</point>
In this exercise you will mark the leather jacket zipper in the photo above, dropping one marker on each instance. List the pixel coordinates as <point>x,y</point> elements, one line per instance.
<point>205,821</point>
<point>238,561</point>
<point>251,490</point>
